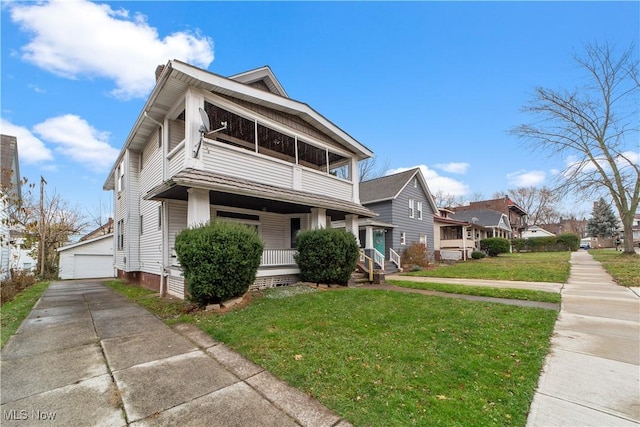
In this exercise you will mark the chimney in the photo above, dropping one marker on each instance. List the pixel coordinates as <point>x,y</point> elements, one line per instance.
<point>159,70</point>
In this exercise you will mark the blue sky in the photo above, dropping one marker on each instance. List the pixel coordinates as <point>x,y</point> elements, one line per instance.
<point>431,84</point>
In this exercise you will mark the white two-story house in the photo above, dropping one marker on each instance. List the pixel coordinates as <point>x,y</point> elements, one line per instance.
<point>238,149</point>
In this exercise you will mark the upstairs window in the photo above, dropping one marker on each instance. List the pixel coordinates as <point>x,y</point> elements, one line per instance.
<point>120,173</point>
<point>411,208</point>
<point>419,206</point>
<point>120,234</point>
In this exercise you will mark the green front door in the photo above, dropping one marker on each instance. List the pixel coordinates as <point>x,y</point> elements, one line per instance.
<point>378,241</point>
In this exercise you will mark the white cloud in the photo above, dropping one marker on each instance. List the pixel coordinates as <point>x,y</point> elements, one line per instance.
<point>437,182</point>
<point>454,167</point>
<point>77,39</point>
<point>79,141</point>
<point>523,178</point>
<point>30,149</point>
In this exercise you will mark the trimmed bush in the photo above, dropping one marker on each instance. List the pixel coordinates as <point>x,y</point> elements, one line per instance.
<point>478,255</point>
<point>561,242</point>
<point>495,246</point>
<point>219,260</point>
<point>416,255</point>
<point>326,255</point>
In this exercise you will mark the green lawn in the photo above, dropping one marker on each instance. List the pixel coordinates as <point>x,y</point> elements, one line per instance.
<point>625,268</point>
<point>527,267</point>
<point>484,291</point>
<point>16,310</point>
<point>388,358</point>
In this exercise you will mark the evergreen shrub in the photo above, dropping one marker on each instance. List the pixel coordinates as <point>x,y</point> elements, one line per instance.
<point>326,255</point>
<point>478,255</point>
<point>495,246</point>
<point>219,260</point>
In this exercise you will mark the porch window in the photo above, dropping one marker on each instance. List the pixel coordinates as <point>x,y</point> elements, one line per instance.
<point>295,229</point>
<point>276,144</point>
<point>312,156</point>
<point>339,166</point>
<point>403,238</point>
<point>451,233</point>
<point>120,234</point>
<point>411,208</point>
<point>419,206</point>
<point>240,131</point>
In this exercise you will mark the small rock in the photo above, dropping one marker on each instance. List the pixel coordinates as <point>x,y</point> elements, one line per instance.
<point>232,302</point>
<point>213,307</point>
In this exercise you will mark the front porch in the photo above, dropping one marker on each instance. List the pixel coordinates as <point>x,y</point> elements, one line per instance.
<point>196,197</point>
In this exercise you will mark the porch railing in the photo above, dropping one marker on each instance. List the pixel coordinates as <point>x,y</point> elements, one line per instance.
<point>276,257</point>
<point>368,263</point>
<point>395,258</point>
<point>378,258</point>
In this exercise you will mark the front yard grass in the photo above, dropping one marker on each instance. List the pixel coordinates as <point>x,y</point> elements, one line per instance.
<point>382,358</point>
<point>16,310</point>
<point>484,291</point>
<point>528,267</point>
<point>625,268</point>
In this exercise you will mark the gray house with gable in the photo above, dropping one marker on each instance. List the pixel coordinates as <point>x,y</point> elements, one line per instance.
<point>405,209</point>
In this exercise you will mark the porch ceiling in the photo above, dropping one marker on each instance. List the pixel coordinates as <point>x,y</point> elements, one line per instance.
<point>225,190</point>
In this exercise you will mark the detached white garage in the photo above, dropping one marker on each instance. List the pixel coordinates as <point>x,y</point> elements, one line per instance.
<point>89,259</point>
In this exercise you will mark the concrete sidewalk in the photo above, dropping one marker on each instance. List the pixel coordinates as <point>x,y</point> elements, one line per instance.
<point>87,356</point>
<point>591,376</point>
<point>533,286</point>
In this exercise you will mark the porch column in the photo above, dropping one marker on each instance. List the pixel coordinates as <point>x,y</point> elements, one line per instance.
<point>197,207</point>
<point>368,240</point>
<point>318,218</point>
<point>351,224</point>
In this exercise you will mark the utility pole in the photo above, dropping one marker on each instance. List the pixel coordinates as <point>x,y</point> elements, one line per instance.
<point>41,244</point>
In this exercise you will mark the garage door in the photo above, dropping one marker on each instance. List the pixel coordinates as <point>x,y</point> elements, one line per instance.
<point>92,266</point>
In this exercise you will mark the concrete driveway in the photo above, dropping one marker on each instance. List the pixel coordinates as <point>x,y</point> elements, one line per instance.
<point>88,356</point>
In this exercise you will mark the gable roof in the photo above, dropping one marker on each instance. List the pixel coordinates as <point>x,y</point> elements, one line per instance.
<point>177,76</point>
<point>263,75</point>
<point>84,242</point>
<point>389,187</point>
<point>484,217</point>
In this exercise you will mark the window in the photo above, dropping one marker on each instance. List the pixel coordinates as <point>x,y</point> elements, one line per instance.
<point>451,233</point>
<point>419,210</point>
<point>403,238</point>
<point>141,226</point>
<point>160,217</point>
<point>120,173</point>
<point>423,239</point>
<point>295,229</point>
<point>415,182</point>
<point>120,234</point>
<point>411,210</point>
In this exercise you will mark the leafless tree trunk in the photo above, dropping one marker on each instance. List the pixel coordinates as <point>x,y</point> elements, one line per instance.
<point>595,127</point>
<point>540,204</point>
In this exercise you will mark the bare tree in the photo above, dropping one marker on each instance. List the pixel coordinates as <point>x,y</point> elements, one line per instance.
<point>101,218</point>
<point>369,169</point>
<point>540,204</point>
<point>596,126</point>
<point>448,200</point>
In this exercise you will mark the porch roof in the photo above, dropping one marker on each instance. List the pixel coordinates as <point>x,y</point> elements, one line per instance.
<point>231,191</point>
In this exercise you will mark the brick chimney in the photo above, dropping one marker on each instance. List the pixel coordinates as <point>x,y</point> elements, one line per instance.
<point>159,70</point>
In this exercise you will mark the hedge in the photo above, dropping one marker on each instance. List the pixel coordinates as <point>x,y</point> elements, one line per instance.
<point>561,242</point>
<point>495,246</point>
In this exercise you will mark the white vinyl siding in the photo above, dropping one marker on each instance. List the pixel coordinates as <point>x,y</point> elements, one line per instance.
<point>327,185</point>
<point>177,222</point>
<point>238,162</point>
<point>151,237</point>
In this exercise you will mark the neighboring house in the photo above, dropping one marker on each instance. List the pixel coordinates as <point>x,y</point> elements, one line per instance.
<point>87,259</point>
<point>453,239</point>
<point>567,225</point>
<point>516,215</point>
<point>235,149</point>
<point>21,258</point>
<point>102,230</point>
<point>535,231</point>
<point>636,229</point>
<point>10,192</point>
<point>485,223</point>
<point>405,209</point>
